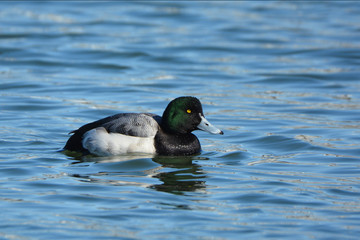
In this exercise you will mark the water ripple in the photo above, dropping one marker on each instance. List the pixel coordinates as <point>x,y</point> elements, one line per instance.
<point>280,78</point>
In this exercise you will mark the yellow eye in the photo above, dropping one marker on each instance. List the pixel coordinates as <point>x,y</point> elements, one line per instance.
<point>188,111</point>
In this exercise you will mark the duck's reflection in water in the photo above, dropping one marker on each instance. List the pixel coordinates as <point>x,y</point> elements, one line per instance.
<point>182,175</point>
<point>177,175</point>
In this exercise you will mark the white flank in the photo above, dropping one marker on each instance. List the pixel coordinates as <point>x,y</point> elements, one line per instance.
<point>101,143</point>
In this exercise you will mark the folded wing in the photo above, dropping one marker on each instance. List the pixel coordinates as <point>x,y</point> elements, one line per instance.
<point>131,124</point>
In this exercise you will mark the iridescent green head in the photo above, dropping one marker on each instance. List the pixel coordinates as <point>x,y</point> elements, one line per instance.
<point>184,115</point>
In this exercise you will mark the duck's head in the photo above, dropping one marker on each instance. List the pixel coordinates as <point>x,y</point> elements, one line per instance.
<point>184,115</point>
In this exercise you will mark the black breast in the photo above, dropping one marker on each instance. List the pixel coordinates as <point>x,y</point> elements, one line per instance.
<point>176,145</point>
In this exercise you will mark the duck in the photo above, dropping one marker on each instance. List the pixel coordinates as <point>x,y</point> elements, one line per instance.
<point>125,133</point>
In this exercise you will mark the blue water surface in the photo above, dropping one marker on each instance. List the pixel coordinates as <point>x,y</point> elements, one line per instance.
<point>280,78</point>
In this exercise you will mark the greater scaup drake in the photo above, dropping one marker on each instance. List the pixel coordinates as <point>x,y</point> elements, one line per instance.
<point>144,132</point>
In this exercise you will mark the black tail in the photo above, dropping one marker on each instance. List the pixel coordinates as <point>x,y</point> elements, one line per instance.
<point>74,143</point>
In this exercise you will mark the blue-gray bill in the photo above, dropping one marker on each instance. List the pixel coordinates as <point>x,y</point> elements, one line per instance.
<point>206,126</point>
